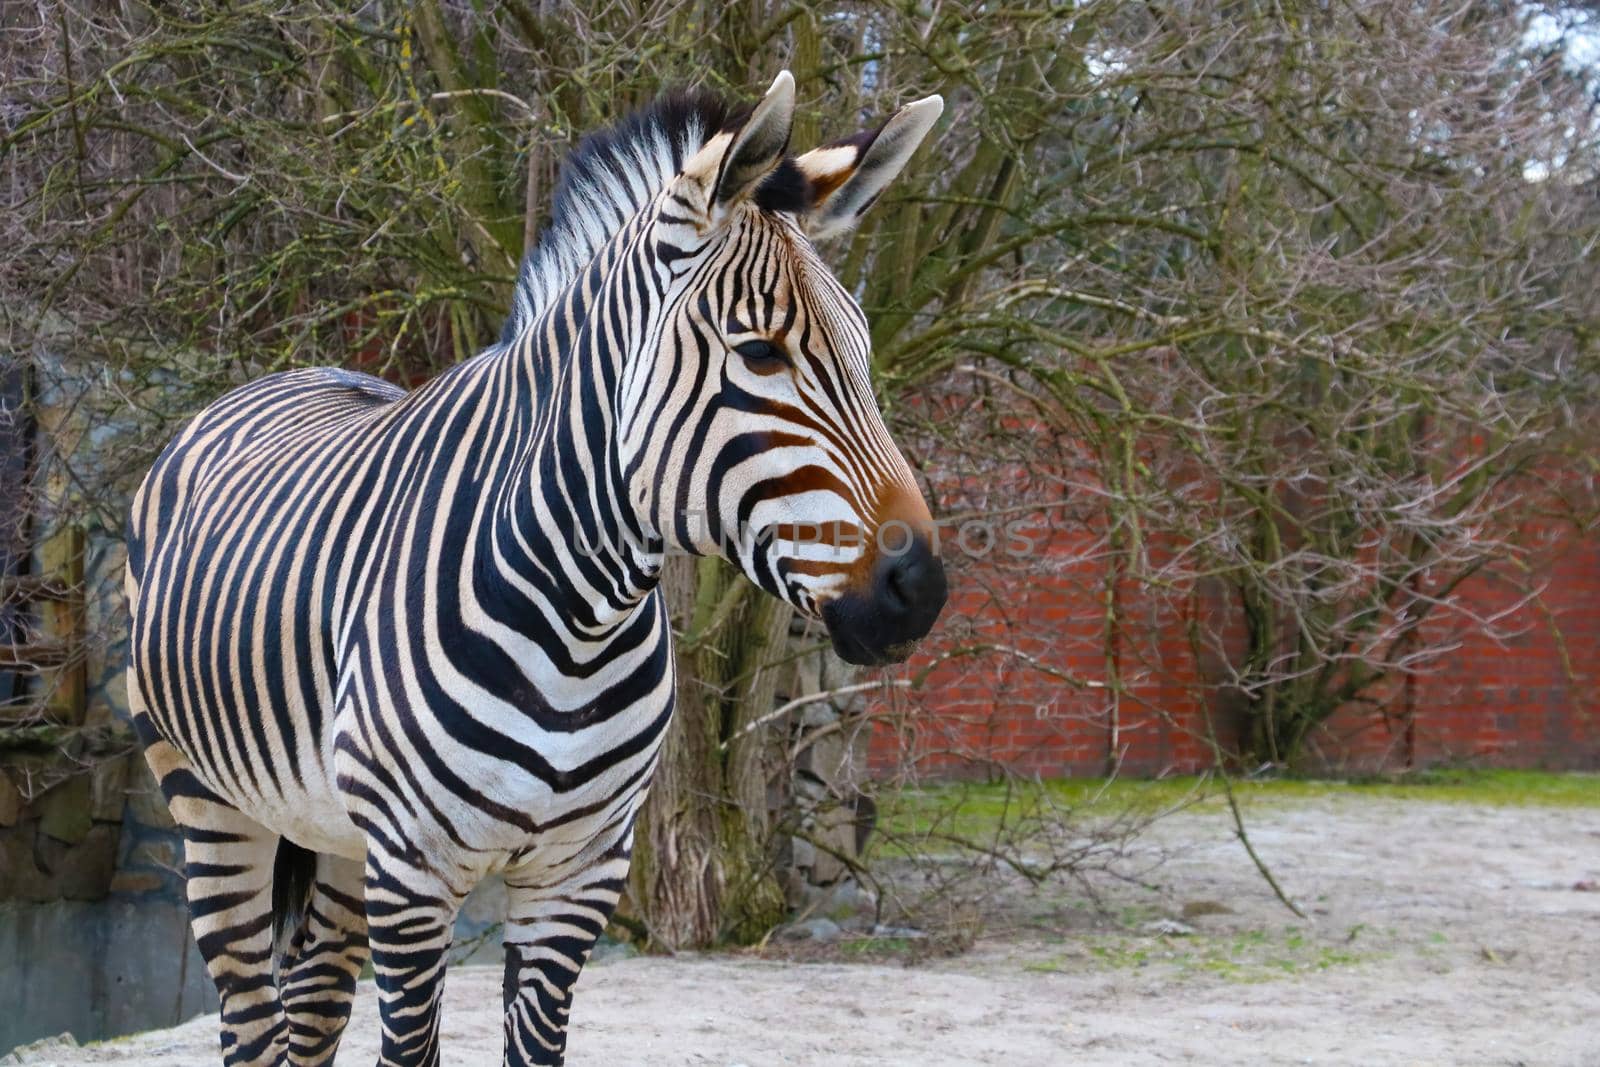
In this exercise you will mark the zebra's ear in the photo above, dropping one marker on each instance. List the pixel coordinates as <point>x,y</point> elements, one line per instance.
<point>733,163</point>
<point>847,176</point>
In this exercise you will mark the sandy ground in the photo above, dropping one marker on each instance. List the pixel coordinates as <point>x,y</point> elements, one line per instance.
<point>1439,934</point>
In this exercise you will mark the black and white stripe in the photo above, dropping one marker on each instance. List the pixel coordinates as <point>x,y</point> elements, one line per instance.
<point>386,643</point>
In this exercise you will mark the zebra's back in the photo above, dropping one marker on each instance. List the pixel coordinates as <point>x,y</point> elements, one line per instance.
<point>244,542</point>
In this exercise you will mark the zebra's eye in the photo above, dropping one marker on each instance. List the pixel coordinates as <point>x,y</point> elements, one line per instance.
<point>762,353</point>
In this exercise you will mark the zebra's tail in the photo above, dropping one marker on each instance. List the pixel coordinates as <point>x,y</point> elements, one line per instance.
<point>294,875</point>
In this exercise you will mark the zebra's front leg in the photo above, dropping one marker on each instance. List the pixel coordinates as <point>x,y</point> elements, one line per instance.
<point>551,927</point>
<point>319,971</point>
<point>411,914</point>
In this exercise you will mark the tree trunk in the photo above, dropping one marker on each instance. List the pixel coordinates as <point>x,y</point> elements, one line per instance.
<point>703,868</point>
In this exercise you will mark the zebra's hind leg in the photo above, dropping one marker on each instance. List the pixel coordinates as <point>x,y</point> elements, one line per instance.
<point>325,957</point>
<point>228,859</point>
<point>411,915</point>
<point>551,927</point>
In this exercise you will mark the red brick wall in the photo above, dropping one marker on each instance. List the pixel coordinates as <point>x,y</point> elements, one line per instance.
<point>1530,700</point>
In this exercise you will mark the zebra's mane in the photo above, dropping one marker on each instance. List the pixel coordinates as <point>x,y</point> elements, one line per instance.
<point>614,173</point>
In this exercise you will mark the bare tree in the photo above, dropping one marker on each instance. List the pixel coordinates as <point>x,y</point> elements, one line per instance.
<point>1283,317</point>
<point>1298,306</point>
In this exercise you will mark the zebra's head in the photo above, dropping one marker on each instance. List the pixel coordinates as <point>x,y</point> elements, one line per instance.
<point>750,427</point>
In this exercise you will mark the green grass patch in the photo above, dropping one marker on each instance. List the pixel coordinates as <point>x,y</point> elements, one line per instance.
<point>877,947</point>
<point>1508,788</point>
<point>1491,787</point>
<point>983,811</point>
<point>1247,957</point>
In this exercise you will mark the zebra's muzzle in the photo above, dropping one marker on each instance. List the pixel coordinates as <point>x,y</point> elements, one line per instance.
<point>883,623</point>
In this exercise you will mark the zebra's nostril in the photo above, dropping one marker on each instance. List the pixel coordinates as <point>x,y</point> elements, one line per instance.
<point>911,584</point>
<point>883,625</point>
<point>899,584</point>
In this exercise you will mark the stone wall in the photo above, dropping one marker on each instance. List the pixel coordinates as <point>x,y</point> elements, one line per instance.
<point>93,926</point>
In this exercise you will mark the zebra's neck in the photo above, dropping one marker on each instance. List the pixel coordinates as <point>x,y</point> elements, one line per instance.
<point>565,531</point>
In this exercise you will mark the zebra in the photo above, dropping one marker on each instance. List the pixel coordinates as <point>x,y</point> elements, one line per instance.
<point>386,643</point>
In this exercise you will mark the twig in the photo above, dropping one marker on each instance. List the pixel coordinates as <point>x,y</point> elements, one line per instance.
<point>812,698</point>
<point>1244,839</point>
<point>240,179</point>
<point>499,94</point>
<point>1238,823</point>
<point>1242,834</point>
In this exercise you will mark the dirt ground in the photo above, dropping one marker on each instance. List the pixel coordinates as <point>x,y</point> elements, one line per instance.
<point>1447,934</point>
